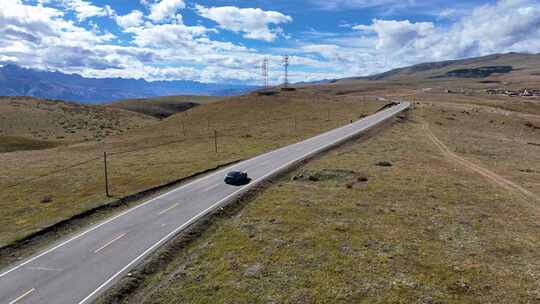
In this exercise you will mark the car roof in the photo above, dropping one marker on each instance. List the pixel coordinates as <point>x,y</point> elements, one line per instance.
<point>235,172</point>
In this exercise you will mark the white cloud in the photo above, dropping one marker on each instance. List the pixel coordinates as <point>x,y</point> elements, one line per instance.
<point>168,36</point>
<point>509,25</point>
<point>517,28</point>
<point>84,9</point>
<point>165,9</point>
<point>447,13</point>
<point>328,51</point>
<point>135,18</point>
<point>40,37</point>
<point>397,34</point>
<point>44,36</point>
<point>253,22</point>
<point>347,4</point>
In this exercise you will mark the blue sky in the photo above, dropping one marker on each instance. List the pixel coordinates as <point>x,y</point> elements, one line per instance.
<point>226,41</point>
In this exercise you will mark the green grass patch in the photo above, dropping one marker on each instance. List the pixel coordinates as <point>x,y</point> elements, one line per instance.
<point>12,144</point>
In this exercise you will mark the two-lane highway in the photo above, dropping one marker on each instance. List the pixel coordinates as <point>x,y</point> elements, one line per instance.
<point>77,269</point>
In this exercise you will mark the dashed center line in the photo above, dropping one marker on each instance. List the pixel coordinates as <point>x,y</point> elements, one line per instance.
<point>23,296</point>
<point>110,242</point>
<point>169,209</point>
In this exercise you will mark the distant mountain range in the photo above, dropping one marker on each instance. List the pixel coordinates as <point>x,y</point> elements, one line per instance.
<point>19,81</point>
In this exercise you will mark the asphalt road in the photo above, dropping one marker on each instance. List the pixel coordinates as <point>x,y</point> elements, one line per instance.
<point>78,269</point>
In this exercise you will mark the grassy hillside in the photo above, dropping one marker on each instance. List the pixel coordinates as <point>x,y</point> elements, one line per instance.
<point>344,229</point>
<point>163,107</point>
<point>525,72</point>
<point>47,186</point>
<point>36,120</point>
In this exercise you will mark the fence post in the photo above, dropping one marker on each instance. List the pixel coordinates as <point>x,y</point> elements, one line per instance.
<point>295,123</point>
<point>106,174</point>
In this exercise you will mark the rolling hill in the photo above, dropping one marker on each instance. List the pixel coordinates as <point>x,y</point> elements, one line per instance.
<point>27,123</point>
<point>511,69</point>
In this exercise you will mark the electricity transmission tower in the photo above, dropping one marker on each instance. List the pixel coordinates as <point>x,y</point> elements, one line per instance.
<point>265,72</point>
<point>286,67</point>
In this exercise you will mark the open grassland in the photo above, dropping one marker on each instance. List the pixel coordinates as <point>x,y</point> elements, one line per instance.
<point>343,229</point>
<point>502,103</point>
<point>506,143</point>
<point>43,187</point>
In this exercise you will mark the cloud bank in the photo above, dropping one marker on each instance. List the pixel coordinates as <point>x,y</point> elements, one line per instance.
<point>154,42</point>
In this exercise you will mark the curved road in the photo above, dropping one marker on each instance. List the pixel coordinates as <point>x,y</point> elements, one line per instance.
<point>78,269</point>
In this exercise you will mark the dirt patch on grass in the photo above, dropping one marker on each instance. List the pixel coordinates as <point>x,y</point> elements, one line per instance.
<point>345,178</point>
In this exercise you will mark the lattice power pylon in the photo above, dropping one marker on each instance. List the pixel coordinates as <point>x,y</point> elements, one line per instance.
<point>286,67</point>
<point>265,72</point>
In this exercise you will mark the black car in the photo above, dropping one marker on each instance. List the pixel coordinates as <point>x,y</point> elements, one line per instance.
<point>237,178</point>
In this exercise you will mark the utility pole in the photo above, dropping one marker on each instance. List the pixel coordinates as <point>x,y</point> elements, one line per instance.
<point>183,128</point>
<point>286,67</point>
<point>265,72</point>
<point>106,174</point>
<point>215,141</point>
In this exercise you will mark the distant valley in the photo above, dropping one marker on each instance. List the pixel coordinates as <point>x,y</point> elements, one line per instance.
<point>19,81</point>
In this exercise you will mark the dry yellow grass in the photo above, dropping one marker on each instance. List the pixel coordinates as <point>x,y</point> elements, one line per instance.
<point>426,230</point>
<point>246,126</point>
<point>58,121</point>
